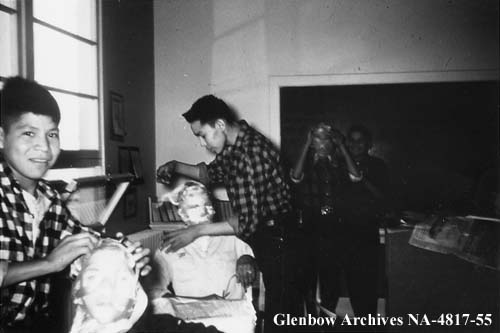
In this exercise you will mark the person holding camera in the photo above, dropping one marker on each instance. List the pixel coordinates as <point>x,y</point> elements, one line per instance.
<point>340,192</point>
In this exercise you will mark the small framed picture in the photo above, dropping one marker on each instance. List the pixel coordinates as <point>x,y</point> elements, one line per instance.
<point>124,162</point>
<point>117,112</point>
<point>129,161</point>
<point>135,159</point>
<point>130,203</point>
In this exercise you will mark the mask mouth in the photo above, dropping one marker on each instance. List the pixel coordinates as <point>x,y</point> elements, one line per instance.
<point>83,322</point>
<point>322,154</point>
<point>323,149</point>
<point>108,305</point>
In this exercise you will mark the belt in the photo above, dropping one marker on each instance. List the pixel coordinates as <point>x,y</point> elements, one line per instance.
<point>270,223</point>
<point>277,221</point>
<point>268,229</point>
<point>326,210</point>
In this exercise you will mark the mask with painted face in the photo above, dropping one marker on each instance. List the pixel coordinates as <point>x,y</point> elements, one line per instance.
<point>107,293</point>
<point>193,201</point>
<point>321,140</point>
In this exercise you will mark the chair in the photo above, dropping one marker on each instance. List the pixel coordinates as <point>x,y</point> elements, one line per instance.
<point>163,216</point>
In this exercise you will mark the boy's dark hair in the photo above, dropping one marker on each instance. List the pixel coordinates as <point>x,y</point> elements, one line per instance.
<point>365,132</point>
<point>20,95</point>
<point>208,109</point>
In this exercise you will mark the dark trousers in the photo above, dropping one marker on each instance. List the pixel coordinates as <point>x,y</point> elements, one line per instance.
<point>276,262</point>
<point>301,252</point>
<point>349,249</point>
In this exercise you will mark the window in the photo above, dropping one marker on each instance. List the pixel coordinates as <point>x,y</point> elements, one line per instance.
<point>8,39</point>
<point>56,43</point>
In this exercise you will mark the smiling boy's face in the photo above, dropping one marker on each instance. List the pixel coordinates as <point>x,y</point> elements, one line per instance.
<point>30,147</point>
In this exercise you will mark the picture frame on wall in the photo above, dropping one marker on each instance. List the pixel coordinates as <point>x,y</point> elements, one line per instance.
<point>135,159</point>
<point>117,114</point>
<point>129,161</point>
<point>130,203</point>
<point>124,163</point>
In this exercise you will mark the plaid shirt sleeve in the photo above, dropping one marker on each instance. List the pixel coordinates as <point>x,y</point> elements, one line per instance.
<point>213,171</point>
<point>19,300</point>
<point>63,223</point>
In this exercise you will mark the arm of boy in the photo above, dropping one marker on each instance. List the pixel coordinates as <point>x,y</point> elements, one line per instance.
<point>177,239</point>
<point>166,172</point>
<point>141,257</point>
<point>69,249</point>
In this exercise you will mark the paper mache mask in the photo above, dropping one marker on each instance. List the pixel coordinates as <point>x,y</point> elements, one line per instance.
<point>106,292</point>
<point>193,201</point>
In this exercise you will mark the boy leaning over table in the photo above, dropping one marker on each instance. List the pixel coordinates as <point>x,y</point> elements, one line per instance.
<point>38,234</point>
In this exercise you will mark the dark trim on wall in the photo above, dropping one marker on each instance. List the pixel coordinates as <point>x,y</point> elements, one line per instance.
<point>78,159</point>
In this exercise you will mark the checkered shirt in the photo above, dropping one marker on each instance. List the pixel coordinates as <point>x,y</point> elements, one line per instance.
<point>16,244</point>
<point>254,179</point>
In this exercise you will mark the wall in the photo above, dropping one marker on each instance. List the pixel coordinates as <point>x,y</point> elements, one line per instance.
<point>128,63</point>
<point>232,48</point>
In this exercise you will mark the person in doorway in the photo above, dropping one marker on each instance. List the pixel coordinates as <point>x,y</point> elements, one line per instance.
<point>342,189</point>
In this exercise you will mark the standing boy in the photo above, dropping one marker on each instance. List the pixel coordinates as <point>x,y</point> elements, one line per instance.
<point>249,167</point>
<point>343,191</point>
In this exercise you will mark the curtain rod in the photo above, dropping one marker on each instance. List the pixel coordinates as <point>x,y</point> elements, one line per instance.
<point>98,180</point>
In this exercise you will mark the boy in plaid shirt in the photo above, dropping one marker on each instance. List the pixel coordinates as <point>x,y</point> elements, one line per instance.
<point>249,166</point>
<point>38,235</point>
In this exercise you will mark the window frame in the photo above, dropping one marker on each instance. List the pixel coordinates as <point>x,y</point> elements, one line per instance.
<point>68,159</point>
<point>12,11</point>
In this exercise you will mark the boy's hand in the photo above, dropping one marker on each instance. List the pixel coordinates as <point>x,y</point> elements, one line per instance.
<point>177,239</point>
<point>165,172</point>
<point>69,249</point>
<point>246,270</point>
<point>337,137</point>
<point>141,257</point>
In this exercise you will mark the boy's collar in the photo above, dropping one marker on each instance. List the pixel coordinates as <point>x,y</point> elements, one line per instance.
<point>42,185</point>
<point>243,128</point>
<point>10,180</point>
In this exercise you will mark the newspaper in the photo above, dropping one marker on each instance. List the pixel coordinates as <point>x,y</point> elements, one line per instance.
<point>230,316</point>
<point>472,238</point>
<point>189,308</point>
